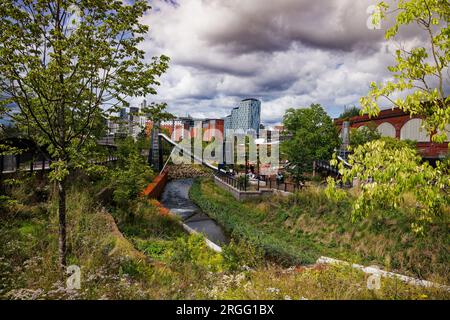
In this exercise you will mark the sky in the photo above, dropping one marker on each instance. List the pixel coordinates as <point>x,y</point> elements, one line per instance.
<point>287,53</point>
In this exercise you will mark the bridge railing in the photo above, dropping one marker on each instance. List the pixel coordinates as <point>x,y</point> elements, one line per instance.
<point>13,164</point>
<point>283,185</point>
<point>232,181</point>
<point>325,165</point>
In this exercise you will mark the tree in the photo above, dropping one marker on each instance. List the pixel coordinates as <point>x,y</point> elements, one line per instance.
<point>363,135</point>
<point>349,113</point>
<point>314,137</point>
<point>389,171</point>
<point>65,65</point>
<point>420,72</point>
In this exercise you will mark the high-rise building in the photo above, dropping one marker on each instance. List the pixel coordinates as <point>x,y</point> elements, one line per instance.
<point>227,123</point>
<point>134,122</point>
<point>245,118</point>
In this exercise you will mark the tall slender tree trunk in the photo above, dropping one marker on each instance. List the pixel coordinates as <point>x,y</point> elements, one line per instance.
<point>62,223</point>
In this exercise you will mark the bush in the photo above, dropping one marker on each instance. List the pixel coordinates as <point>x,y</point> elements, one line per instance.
<point>238,255</point>
<point>193,249</point>
<point>131,175</point>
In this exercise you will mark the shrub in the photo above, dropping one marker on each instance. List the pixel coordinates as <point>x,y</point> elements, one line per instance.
<point>193,249</point>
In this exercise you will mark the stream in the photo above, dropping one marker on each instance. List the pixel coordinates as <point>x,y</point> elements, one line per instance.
<point>176,198</point>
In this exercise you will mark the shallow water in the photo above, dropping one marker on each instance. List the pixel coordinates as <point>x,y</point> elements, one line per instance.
<point>176,199</point>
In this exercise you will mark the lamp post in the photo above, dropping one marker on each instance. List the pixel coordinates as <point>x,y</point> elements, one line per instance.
<point>258,142</point>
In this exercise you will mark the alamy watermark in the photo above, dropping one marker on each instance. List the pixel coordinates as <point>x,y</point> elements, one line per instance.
<point>374,280</point>
<point>73,281</point>
<point>235,147</point>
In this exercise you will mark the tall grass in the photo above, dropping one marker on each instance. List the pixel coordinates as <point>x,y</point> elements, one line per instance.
<point>300,228</point>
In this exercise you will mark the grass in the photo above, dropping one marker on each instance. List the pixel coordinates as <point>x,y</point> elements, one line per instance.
<point>300,228</point>
<point>141,254</point>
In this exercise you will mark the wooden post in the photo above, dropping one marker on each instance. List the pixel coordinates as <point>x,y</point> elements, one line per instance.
<point>17,162</point>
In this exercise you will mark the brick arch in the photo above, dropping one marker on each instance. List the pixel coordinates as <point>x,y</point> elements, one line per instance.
<point>412,130</point>
<point>387,129</point>
<point>399,119</point>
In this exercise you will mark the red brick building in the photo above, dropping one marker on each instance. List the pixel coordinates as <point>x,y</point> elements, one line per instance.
<point>212,128</point>
<point>209,128</point>
<point>398,124</point>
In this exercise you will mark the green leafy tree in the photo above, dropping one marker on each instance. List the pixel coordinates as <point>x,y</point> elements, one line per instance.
<point>363,135</point>
<point>420,72</point>
<point>349,113</point>
<point>62,64</point>
<point>314,137</point>
<point>157,113</point>
<point>386,170</point>
<point>134,173</point>
<point>390,170</point>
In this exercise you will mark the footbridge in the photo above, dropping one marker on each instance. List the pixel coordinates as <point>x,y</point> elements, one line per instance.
<point>155,157</point>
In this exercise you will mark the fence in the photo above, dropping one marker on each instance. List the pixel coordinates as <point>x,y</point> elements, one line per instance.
<point>11,164</point>
<point>283,186</point>
<point>268,184</point>
<point>231,181</point>
<point>325,165</point>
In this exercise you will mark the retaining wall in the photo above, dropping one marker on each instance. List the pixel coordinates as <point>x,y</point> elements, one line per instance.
<point>155,189</point>
<point>242,195</point>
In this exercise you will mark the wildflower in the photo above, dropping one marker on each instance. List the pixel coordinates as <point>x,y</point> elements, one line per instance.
<point>273,290</point>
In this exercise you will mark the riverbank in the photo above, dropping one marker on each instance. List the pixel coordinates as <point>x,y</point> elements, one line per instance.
<point>300,228</point>
<point>143,254</point>
<point>176,199</point>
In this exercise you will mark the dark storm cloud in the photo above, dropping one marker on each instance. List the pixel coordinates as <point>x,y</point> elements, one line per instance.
<point>337,25</point>
<point>216,68</point>
<point>288,53</point>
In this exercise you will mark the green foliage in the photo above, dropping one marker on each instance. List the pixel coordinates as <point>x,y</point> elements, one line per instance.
<point>420,71</point>
<point>112,269</point>
<point>236,255</point>
<point>60,75</point>
<point>67,73</point>
<point>363,135</point>
<point>157,113</point>
<point>6,204</point>
<point>193,249</point>
<point>304,226</point>
<point>132,173</point>
<point>350,113</point>
<point>388,170</point>
<point>314,137</point>
<point>275,243</point>
<point>243,179</point>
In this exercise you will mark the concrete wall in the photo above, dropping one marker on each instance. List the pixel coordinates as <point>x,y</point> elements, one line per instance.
<point>155,189</point>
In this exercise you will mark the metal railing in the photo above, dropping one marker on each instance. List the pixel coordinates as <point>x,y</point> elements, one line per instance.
<point>327,166</point>
<point>268,184</point>
<point>232,181</point>
<point>13,164</point>
<point>283,186</point>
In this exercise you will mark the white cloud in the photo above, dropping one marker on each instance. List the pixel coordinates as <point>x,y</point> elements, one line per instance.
<point>288,53</point>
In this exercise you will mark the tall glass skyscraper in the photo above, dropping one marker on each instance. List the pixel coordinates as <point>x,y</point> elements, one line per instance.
<point>245,118</point>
